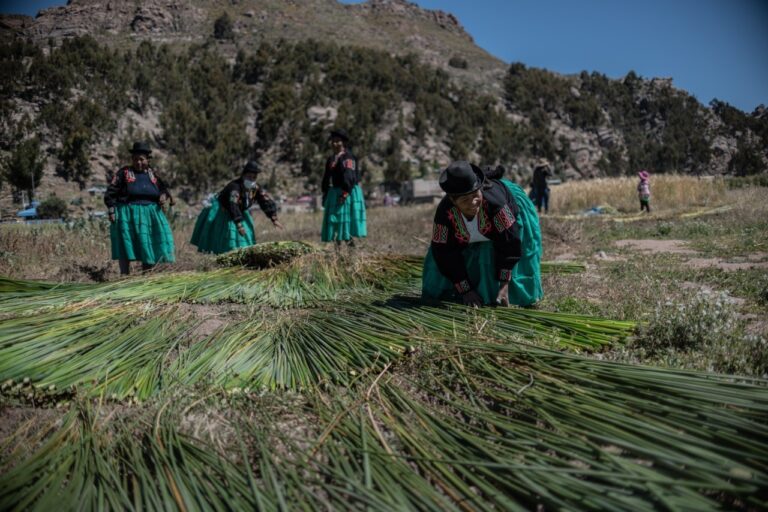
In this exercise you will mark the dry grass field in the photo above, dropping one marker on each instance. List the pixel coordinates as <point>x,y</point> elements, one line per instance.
<point>668,192</point>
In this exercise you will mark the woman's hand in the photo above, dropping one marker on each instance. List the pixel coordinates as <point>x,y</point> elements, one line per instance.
<point>111,218</point>
<point>471,298</point>
<point>502,299</point>
<point>276,223</point>
<point>241,229</point>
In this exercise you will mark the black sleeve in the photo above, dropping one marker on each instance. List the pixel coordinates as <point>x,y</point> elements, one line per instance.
<point>450,263</point>
<point>162,186</point>
<point>349,170</point>
<point>326,183</point>
<point>115,189</point>
<point>230,201</point>
<point>507,247</point>
<point>448,255</point>
<point>266,203</point>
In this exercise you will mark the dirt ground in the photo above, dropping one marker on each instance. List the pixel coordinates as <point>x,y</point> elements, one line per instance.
<point>654,246</point>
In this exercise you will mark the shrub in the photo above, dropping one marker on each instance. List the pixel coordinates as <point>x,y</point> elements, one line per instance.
<point>704,320</point>
<point>458,62</point>
<point>52,208</point>
<point>703,333</point>
<point>222,27</point>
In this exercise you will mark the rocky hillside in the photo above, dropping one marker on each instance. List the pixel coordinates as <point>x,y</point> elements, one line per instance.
<point>212,83</point>
<point>395,26</point>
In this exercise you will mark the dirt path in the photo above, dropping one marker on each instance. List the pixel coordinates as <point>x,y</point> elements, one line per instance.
<point>653,246</point>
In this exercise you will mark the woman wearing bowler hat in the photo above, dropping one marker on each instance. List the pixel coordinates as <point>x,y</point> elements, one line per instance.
<point>344,214</point>
<point>227,224</point>
<point>138,228</point>
<point>486,241</point>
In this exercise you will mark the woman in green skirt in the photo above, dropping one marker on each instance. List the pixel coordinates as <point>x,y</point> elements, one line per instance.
<point>138,228</point>
<point>227,224</point>
<point>486,241</point>
<point>343,203</point>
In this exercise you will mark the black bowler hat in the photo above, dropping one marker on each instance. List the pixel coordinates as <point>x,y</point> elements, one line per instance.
<point>251,166</point>
<point>340,133</point>
<point>141,148</point>
<point>461,178</point>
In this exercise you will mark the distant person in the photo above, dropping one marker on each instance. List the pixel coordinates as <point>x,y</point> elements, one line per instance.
<point>226,224</point>
<point>138,228</point>
<point>486,241</point>
<point>644,190</point>
<point>344,217</point>
<point>539,185</point>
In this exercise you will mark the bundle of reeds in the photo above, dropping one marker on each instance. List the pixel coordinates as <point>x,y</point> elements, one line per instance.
<point>87,465</point>
<point>490,427</point>
<point>265,254</point>
<point>469,426</point>
<point>307,280</point>
<point>118,352</point>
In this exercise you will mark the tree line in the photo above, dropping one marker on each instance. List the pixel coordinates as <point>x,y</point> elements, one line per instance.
<point>206,103</point>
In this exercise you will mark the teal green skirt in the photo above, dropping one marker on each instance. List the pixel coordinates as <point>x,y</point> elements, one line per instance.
<point>342,222</point>
<point>141,233</point>
<point>524,288</point>
<point>215,231</point>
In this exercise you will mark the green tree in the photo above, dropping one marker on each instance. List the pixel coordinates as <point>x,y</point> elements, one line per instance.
<point>23,169</point>
<point>396,170</point>
<point>747,160</point>
<point>52,208</point>
<point>73,157</point>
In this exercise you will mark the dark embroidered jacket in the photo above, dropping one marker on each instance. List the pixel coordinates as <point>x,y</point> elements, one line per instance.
<point>236,199</point>
<point>497,221</point>
<point>340,172</point>
<point>129,186</point>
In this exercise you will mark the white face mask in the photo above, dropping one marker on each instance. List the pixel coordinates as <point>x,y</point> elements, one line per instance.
<point>249,184</point>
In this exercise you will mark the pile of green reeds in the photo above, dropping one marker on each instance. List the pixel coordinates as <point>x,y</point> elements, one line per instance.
<point>143,465</point>
<point>467,426</point>
<point>562,267</point>
<point>307,280</point>
<point>134,350</point>
<point>118,352</point>
<point>265,254</point>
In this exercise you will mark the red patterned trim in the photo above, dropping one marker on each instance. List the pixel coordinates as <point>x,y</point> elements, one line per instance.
<point>505,274</point>
<point>462,286</point>
<point>460,230</point>
<point>439,233</point>
<point>504,219</point>
<point>130,177</point>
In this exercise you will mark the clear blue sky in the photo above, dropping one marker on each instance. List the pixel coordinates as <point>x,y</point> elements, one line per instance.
<point>711,48</point>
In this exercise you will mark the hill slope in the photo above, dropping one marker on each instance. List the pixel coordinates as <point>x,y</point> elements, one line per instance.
<point>212,83</point>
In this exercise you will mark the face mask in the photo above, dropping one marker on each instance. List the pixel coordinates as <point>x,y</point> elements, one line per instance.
<point>249,184</point>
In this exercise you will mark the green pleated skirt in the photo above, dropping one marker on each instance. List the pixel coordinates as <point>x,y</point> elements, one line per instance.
<point>141,233</point>
<point>215,231</point>
<point>479,259</point>
<point>342,222</point>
